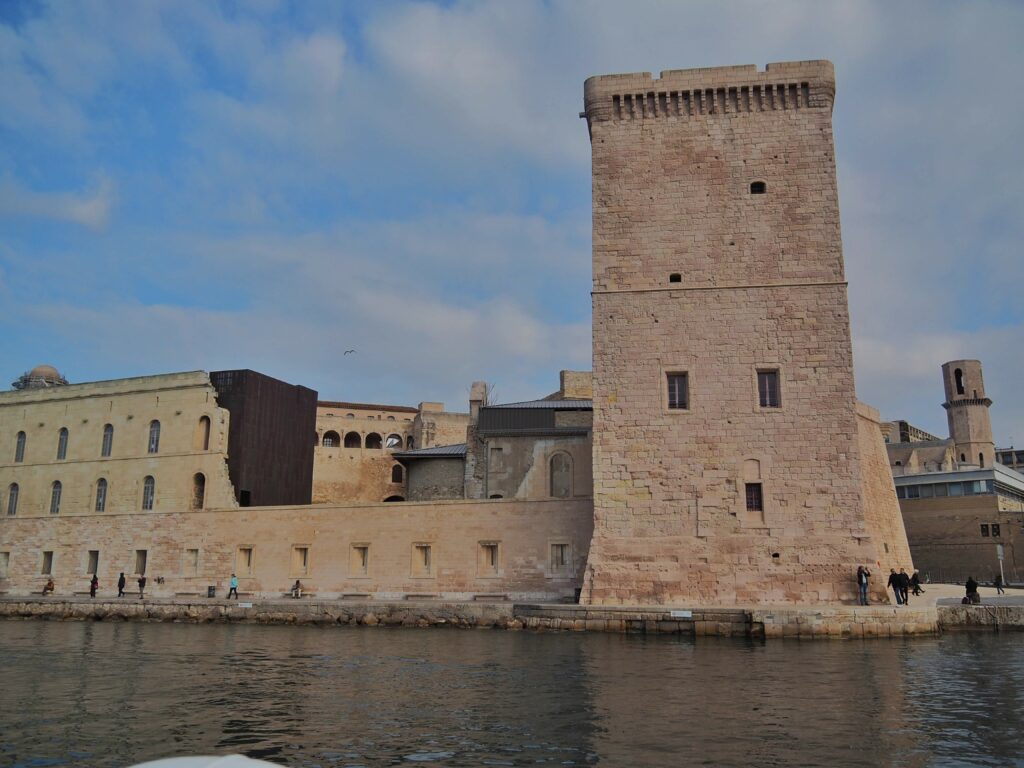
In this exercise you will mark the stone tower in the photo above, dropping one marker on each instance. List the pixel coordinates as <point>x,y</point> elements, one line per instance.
<point>970,426</point>
<point>726,460</point>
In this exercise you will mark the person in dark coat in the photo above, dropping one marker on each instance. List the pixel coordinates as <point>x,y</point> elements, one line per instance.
<point>94,584</point>
<point>905,586</point>
<point>998,584</point>
<point>863,575</point>
<point>121,582</point>
<point>915,584</point>
<point>972,591</point>
<point>142,586</point>
<point>894,585</point>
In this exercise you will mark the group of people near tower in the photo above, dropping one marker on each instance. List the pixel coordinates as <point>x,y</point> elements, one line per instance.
<point>902,584</point>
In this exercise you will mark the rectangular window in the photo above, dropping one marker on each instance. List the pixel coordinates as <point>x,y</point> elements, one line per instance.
<point>94,561</point>
<point>941,489</point>
<point>190,562</point>
<point>560,559</point>
<point>768,389</point>
<point>955,489</point>
<point>243,561</point>
<point>496,463</point>
<point>678,391</point>
<point>901,492</point>
<point>996,531</point>
<point>422,561</point>
<point>359,560</point>
<point>984,530</point>
<point>926,491</point>
<point>755,501</point>
<point>5,561</point>
<point>913,492</point>
<point>141,555</point>
<point>47,569</point>
<point>488,562</point>
<point>300,561</point>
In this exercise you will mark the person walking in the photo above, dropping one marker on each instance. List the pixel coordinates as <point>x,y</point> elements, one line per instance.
<point>94,584</point>
<point>894,585</point>
<point>121,584</point>
<point>142,586</point>
<point>234,587</point>
<point>863,575</point>
<point>915,584</point>
<point>905,586</point>
<point>998,584</point>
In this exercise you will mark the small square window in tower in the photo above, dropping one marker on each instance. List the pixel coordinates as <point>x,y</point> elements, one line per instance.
<point>768,389</point>
<point>678,391</point>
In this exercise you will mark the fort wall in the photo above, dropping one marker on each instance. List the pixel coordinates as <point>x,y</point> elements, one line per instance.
<point>455,550</point>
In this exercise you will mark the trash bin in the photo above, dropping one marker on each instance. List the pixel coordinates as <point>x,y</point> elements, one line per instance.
<point>211,591</point>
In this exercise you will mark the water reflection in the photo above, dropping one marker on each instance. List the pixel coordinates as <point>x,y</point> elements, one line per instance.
<point>110,694</point>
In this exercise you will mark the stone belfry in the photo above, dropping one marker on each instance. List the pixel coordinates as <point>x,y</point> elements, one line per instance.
<point>727,465</point>
<point>970,425</point>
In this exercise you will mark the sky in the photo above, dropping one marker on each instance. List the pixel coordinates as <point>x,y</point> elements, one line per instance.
<point>202,185</point>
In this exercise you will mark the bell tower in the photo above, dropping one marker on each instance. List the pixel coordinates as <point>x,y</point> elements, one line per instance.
<point>970,425</point>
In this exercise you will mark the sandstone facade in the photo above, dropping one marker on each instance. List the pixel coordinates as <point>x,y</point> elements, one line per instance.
<point>717,256</point>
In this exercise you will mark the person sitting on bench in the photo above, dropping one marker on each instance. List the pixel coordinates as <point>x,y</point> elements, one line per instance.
<point>297,589</point>
<point>48,589</point>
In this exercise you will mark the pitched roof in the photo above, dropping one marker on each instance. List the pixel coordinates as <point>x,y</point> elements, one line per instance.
<point>436,452</point>
<point>558,405</point>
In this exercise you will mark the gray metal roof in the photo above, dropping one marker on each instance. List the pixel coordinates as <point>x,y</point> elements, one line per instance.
<point>558,405</point>
<point>437,452</point>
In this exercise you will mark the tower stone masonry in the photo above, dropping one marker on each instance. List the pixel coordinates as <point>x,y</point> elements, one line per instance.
<point>970,425</point>
<point>727,447</point>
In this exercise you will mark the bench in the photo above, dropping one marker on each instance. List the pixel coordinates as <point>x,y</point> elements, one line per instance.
<point>289,594</point>
<point>355,596</point>
<point>420,597</point>
<point>490,598</point>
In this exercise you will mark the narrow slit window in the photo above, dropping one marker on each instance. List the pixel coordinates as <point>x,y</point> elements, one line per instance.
<point>101,495</point>
<point>678,391</point>
<point>755,499</point>
<point>19,448</point>
<point>12,499</point>
<point>62,444</point>
<point>148,493</point>
<point>55,493</point>
<point>154,436</point>
<point>107,446</point>
<point>768,389</point>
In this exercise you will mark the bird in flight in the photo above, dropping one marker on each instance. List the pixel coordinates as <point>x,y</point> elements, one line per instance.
<point>349,352</point>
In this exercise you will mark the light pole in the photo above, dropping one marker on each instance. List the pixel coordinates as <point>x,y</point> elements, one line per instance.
<point>999,554</point>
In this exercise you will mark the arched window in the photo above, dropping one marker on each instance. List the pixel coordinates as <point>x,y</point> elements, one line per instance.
<point>101,495</point>
<point>374,441</point>
<point>391,418</point>
<point>495,496</point>
<point>958,375</point>
<point>203,434</point>
<point>409,443</point>
<point>148,492</point>
<point>108,440</point>
<point>12,499</point>
<point>62,444</point>
<point>396,473</point>
<point>963,458</point>
<point>154,436</point>
<point>758,187</point>
<point>350,415</point>
<point>394,442</point>
<point>55,493</point>
<point>353,440</point>
<point>561,475</point>
<point>19,447</point>
<point>332,440</point>
<point>198,490</point>
<point>394,498</point>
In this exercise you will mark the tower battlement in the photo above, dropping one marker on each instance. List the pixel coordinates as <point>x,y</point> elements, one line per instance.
<point>710,91</point>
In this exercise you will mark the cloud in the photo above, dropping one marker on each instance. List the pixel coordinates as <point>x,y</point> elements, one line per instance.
<point>89,209</point>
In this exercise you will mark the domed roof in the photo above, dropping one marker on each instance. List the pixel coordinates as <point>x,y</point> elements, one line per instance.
<point>45,372</point>
<point>40,377</point>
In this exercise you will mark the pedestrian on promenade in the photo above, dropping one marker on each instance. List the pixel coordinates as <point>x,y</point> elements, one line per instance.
<point>863,575</point>
<point>94,584</point>
<point>142,586</point>
<point>915,584</point>
<point>894,585</point>
<point>121,584</point>
<point>905,586</point>
<point>998,584</point>
<point>234,587</point>
<point>971,588</point>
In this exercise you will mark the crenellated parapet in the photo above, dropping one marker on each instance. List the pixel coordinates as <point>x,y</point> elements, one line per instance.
<point>710,92</point>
